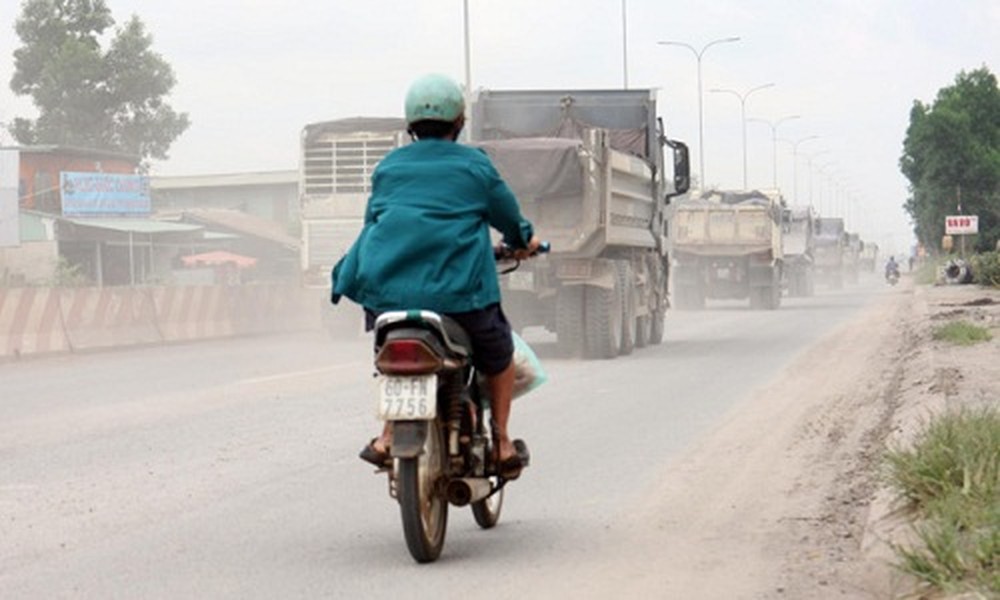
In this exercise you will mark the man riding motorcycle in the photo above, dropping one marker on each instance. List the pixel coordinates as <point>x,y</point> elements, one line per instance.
<point>426,244</point>
<point>891,267</point>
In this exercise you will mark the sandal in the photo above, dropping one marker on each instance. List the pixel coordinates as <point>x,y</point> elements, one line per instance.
<point>369,454</point>
<point>510,468</point>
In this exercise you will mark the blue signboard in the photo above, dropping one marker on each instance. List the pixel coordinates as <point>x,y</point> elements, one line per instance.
<point>104,195</point>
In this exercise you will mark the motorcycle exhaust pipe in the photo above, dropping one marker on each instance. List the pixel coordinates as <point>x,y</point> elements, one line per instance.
<point>466,490</point>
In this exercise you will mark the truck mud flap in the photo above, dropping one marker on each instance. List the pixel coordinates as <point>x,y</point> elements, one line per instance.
<point>408,438</point>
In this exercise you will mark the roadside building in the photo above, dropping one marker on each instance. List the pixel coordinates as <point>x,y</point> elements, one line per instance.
<point>253,215</point>
<point>84,218</point>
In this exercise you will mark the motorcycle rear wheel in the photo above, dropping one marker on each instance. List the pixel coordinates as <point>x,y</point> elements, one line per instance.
<point>487,511</point>
<point>422,503</point>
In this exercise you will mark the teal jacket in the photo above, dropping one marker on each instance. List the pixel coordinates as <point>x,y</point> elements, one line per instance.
<point>426,242</point>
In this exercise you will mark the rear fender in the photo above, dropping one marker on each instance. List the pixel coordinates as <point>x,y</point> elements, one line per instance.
<point>408,438</point>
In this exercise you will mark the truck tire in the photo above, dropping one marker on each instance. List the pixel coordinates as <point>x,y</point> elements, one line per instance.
<point>569,319</point>
<point>643,330</point>
<point>767,297</point>
<point>603,321</point>
<point>626,282</point>
<point>657,326</point>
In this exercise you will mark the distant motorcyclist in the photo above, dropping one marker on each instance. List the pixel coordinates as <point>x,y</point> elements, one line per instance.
<point>891,267</point>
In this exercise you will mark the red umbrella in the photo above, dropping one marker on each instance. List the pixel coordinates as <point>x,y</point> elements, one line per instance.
<point>219,257</point>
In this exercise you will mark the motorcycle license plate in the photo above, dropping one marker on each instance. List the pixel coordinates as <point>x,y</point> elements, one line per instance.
<point>407,398</point>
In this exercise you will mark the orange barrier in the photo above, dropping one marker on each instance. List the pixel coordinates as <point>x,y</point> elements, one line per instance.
<point>107,317</point>
<point>30,322</point>
<point>40,320</point>
<point>193,312</point>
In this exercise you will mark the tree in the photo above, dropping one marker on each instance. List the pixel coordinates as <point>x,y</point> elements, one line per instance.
<point>951,154</point>
<point>85,96</point>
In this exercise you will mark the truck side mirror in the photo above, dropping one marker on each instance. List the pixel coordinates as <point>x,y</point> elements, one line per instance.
<point>682,168</point>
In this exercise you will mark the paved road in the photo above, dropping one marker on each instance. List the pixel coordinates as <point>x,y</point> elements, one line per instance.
<point>228,469</point>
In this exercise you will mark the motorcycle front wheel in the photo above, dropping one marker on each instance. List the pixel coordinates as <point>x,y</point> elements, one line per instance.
<point>421,500</point>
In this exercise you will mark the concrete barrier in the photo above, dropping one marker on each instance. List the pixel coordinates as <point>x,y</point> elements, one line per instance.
<point>44,320</point>
<point>193,312</point>
<point>30,322</point>
<point>108,317</point>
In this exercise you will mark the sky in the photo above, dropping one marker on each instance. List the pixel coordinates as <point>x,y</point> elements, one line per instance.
<point>251,73</point>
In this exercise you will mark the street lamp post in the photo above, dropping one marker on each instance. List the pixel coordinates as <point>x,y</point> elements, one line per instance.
<point>743,117</point>
<point>795,163</point>
<point>774,143</point>
<point>809,160</point>
<point>701,119</point>
<point>829,181</point>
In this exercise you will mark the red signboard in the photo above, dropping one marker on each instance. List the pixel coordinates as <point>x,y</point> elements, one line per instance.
<point>961,225</point>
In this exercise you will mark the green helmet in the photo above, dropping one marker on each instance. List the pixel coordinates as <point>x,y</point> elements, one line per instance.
<point>434,98</point>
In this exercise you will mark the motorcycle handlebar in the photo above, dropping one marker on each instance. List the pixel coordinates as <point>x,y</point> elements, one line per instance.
<point>505,252</point>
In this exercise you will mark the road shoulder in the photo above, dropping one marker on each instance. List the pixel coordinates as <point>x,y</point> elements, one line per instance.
<point>784,499</point>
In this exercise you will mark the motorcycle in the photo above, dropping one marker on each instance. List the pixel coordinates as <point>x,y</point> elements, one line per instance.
<point>442,434</point>
<point>892,276</point>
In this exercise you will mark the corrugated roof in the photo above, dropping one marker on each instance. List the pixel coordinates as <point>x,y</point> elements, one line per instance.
<point>224,180</point>
<point>242,223</point>
<point>137,225</point>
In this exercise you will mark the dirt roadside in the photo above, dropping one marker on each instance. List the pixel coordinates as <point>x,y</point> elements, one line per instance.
<point>784,499</point>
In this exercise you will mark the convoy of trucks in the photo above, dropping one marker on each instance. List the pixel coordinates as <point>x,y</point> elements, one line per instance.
<point>596,173</point>
<point>727,245</point>
<point>589,170</point>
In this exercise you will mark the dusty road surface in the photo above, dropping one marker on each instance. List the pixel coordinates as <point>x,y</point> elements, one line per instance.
<point>733,461</point>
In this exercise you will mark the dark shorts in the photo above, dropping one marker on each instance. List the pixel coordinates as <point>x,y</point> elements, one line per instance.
<point>489,330</point>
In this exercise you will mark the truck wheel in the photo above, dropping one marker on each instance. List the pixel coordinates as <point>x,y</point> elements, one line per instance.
<point>657,326</point>
<point>569,319</point>
<point>643,330</point>
<point>627,284</point>
<point>603,325</point>
<point>773,297</point>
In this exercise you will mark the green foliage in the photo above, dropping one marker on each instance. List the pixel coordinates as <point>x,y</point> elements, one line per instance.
<point>986,268</point>
<point>952,151</point>
<point>961,333</point>
<point>68,274</point>
<point>951,478</point>
<point>112,100</point>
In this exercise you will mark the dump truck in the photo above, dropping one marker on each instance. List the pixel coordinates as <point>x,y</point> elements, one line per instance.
<point>797,248</point>
<point>869,257</point>
<point>853,246</point>
<point>588,169</point>
<point>727,245</point>
<point>829,251</point>
<point>336,160</point>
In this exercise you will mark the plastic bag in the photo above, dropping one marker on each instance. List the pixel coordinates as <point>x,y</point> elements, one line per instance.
<point>528,371</point>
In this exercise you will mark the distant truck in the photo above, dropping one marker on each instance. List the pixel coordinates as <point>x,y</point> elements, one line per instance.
<point>853,247</point>
<point>589,170</point>
<point>829,242</point>
<point>869,257</point>
<point>336,160</point>
<point>727,245</point>
<point>797,247</point>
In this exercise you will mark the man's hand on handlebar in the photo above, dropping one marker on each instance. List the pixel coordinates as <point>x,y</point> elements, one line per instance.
<point>535,246</point>
<point>524,253</point>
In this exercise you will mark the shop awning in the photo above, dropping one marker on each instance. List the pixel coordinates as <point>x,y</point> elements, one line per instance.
<point>219,257</point>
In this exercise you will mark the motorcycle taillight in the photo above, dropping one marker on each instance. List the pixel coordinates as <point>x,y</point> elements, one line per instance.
<point>407,357</point>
